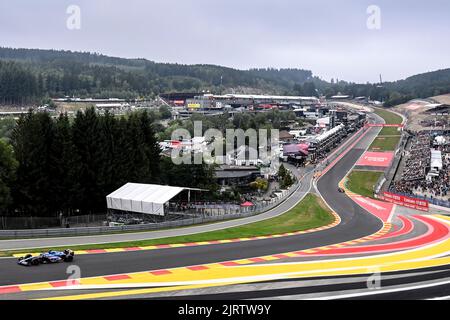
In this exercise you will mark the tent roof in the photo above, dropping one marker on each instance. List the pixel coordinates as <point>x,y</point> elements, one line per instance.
<point>143,198</point>
<point>147,192</point>
<point>436,159</point>
<point>295,149</point>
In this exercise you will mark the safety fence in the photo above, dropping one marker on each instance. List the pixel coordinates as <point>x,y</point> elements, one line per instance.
<point>243,213</point>
<point>385,181</point>
<point>436,202</point>
<point>8,222</point>
<point>387,177</point>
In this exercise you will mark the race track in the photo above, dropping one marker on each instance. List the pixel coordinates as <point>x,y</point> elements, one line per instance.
<point>201,270</point>
<point>355,224</point>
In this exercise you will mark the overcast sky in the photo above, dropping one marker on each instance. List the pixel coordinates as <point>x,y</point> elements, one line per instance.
<point>329,37</point>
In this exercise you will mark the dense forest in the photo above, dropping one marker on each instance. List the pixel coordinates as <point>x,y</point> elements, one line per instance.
<point>68,166</point>
<point>64,73</point>
<point>29,75</point>
<point>393,93</point>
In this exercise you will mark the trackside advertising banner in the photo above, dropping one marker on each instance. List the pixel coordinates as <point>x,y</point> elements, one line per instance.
<point>376,159</point>
<point>405,201</point>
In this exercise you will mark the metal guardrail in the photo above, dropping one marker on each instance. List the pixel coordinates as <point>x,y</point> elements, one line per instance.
<point>248,212</point>
<point>385,181</point>
<point>437,202</point>
<point>386,178</point>
<point>85,231</point>
<point>24,222</point>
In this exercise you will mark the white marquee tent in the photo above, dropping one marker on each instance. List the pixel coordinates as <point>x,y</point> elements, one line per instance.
<point>143,198</point>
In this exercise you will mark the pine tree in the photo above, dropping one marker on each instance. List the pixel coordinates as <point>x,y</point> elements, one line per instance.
<point>32,141</point>
<point>85,135</point>
<point>282,172</point>
<point>8,166</point>
<point>64,176</point>
<point>106,175</point>
<point>152,148</point>
<point>121,161</point>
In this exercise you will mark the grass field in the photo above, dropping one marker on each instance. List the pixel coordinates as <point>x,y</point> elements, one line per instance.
<point>363,182</point>
<point>310,213</point>
<point>389,117</point>
<point>390,131</point>
<point>385,143</point>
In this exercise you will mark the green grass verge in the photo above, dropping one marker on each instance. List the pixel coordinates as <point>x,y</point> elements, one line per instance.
<point>385,143</point>
<point>390,131</point>
<point>388,116</point>
<point>310,213</point>
<point>363,182</point>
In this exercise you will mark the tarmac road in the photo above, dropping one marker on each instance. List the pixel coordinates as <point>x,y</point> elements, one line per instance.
<point>21,244</point>
<point>356,223</point>
<point>305,174</point>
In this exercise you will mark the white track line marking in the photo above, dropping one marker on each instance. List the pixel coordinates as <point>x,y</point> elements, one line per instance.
<point>365,294</point>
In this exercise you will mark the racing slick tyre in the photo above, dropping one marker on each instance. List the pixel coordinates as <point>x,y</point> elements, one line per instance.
<point>45,261</point>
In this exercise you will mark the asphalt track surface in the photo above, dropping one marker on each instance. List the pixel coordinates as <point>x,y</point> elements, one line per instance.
<point>356,223</point>
<point>305,175</point>
<point>148,235</point>
<point>394,286</point>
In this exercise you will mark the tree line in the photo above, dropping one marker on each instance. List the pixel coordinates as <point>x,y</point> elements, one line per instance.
<point>68,166</point>
<point>65,73</point>
<point>28,75</point>
<point>392,93</point>
<point>274,119</point>
<point>18,85</point>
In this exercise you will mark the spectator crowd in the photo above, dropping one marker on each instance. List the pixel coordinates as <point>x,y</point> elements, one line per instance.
<point>415,178</point>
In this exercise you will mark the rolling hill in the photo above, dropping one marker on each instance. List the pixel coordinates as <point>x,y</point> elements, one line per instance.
<point>28,75</point>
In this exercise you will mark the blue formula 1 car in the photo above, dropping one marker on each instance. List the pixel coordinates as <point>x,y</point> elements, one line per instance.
<point>46,258</point>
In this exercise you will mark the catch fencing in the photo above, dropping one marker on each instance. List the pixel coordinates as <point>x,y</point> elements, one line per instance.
<point>84,231</point>
<point>10,223</point>
<point>220,213</point>
<point>436,202</point>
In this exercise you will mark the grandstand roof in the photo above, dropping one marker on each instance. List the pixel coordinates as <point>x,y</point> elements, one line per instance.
<point>260,97</point>
<point>329,133</point>
<point>436,159</point>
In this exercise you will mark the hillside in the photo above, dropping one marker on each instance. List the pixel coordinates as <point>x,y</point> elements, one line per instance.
<point>30,73</point>
<point>419,86</point>
<point>394,93</point>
